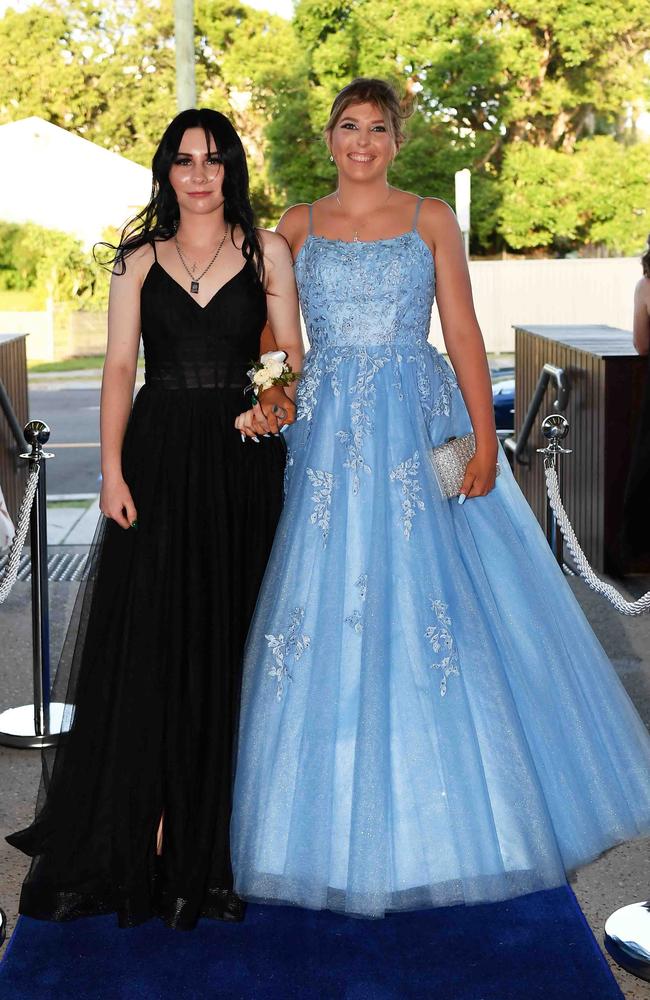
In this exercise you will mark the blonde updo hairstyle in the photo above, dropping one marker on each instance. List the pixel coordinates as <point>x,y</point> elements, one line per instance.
<point>369,90</point>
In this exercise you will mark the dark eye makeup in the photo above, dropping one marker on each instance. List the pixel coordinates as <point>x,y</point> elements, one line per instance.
<point>186,161</point>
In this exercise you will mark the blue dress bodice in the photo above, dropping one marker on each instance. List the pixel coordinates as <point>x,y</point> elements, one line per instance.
<point>366,294</point>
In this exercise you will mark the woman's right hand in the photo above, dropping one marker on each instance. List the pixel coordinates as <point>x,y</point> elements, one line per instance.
<point>116,502</point>
<point>277,407</point>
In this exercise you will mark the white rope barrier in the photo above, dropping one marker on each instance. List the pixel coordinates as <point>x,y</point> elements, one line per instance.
<point>582,563</point>
<point>11,569</point>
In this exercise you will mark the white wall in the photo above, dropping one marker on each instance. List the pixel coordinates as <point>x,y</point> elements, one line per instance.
<point>523,292</point>
<point>59,180</point>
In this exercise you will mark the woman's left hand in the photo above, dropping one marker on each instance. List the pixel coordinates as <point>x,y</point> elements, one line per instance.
<point>480,474</point>
<point>251,423</point>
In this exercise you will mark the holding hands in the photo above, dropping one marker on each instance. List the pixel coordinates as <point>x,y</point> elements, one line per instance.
<point>274,411</point>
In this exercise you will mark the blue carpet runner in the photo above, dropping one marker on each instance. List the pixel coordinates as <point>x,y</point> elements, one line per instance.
<point>535,946</point>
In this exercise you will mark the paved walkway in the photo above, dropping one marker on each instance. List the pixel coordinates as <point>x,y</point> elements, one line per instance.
<point>72,525</point>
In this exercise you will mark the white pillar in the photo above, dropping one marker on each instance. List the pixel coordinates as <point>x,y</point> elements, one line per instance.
<point>463,185</point>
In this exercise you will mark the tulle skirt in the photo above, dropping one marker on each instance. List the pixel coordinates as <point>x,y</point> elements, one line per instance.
<point>152,668</point>
<point>427,717</point>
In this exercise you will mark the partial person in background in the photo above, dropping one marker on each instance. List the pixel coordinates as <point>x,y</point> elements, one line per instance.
<point>134,815</point>
<point>636,519</point>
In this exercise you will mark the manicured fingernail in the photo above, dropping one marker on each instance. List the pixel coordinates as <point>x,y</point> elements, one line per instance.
<point>134,524</point>
<point>267,435</point>
<point>256,439</point>
<point>277,434</point>
<point>243,437</point>
<point>461,499</point>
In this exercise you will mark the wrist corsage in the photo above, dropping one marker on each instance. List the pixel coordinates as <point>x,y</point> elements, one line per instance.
<point>272,369</point>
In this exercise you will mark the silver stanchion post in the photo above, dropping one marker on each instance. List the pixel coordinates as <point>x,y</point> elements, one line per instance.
<point>627,938</point>
<point>40,724</point>
<point>554,428</point>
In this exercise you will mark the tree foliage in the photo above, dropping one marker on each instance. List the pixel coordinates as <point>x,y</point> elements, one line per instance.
<point>52,264</point>
<point>537,97</point>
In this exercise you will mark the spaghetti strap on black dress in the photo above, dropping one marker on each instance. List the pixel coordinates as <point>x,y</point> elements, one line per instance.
<point>152,659</point>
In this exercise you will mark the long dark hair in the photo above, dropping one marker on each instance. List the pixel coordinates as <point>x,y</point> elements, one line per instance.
<point>158,220</point>
<point>645,260</point>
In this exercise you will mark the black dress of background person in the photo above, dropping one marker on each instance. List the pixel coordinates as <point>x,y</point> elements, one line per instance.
<point>636,520</point>
<point>152,657</point>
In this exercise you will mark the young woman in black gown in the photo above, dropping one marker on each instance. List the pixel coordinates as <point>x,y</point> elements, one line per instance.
<point>134,810</point>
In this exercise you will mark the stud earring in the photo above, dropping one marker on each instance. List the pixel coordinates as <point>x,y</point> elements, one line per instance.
<point>331,158</point>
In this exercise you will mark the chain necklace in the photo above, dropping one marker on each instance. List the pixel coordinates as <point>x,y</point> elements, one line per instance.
<point>355,235</point>
<point>194,282</point>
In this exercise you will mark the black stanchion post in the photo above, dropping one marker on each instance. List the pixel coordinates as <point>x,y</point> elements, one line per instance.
<point>40,596</point>
<point>40,724</point>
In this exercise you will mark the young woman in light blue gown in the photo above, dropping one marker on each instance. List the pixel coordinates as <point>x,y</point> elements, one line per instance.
<point>427,717</point>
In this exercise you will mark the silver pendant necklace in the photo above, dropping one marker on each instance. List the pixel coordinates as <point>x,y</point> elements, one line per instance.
<point>194,282</point>
<point>355,234</point>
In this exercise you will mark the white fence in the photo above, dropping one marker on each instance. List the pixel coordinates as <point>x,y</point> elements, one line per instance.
<point>525,292</point>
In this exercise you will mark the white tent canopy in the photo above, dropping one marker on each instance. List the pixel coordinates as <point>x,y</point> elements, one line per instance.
<point>59,180</point>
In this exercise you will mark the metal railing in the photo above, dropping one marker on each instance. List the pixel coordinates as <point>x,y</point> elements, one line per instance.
<point>548,373</point>
<point>12,420</point>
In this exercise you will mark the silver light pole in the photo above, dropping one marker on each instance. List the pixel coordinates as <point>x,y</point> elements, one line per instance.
<point>184,34</point>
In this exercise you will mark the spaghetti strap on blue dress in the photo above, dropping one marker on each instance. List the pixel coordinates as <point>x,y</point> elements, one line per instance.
<point>427,717</point>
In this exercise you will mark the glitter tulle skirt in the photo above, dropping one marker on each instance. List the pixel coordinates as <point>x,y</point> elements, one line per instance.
<point>427,717</point>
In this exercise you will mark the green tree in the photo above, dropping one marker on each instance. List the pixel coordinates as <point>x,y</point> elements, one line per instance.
<point>52,264</point>
<point>540,75</point>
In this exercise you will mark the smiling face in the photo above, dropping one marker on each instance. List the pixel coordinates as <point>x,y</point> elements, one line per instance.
<point>196,174</point>
<point>361,143</point>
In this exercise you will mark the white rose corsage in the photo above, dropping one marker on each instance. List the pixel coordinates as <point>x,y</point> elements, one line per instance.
<point>272,369</point>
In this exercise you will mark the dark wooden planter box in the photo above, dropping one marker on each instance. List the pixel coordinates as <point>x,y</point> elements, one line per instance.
<point>606,379</point>
<point>13,372</point>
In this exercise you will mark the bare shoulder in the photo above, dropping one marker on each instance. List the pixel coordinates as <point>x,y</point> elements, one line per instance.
<point>437,214</point>
<point>642,292</point>
<point>136,265</point>
<point>275,246</point>
<point>294,223</point>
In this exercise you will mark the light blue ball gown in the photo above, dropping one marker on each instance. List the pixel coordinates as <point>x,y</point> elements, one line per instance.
<point>427,717</point>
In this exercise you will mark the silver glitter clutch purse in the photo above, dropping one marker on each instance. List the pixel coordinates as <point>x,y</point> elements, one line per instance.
<point>450,461</point>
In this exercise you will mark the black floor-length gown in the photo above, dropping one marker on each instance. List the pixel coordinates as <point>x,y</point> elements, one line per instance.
<point>152,657</point>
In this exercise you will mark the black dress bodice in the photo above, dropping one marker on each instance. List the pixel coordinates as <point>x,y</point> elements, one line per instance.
<point>190,347</point>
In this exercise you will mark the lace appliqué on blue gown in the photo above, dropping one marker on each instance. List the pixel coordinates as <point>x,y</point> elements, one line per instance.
<point>406,474</point>
<point>323,483</point>
<point>441,640</point>
<point>284,647</point>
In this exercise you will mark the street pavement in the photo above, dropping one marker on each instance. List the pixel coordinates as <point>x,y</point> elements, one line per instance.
<point>68,402</point>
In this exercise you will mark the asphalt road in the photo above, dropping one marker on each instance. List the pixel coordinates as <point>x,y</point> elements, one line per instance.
<point>73,418</point>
